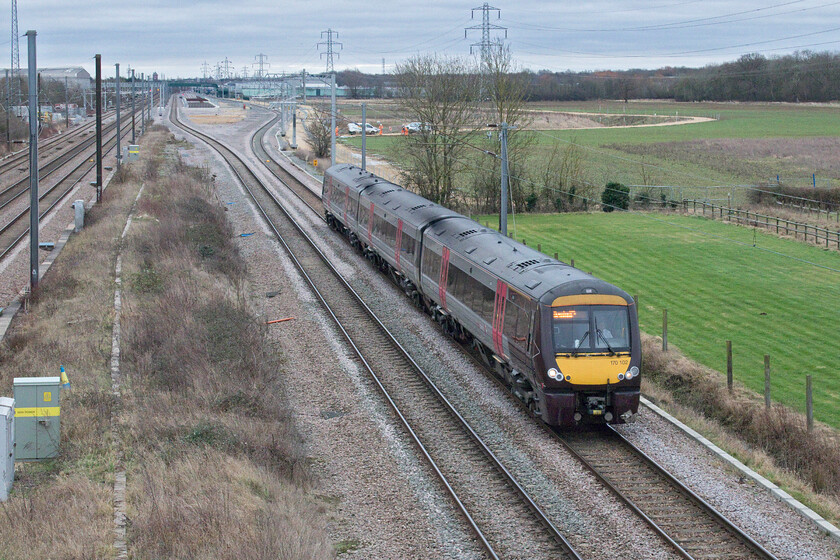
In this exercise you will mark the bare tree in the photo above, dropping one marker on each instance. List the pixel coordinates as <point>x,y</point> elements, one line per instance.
<point>440,93</point>
<point>505,91</point>
<point>318,130</point>
<point>355,81</point>
<point>563,179</point>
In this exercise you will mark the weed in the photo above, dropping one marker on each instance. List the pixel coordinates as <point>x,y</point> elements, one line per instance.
<point>146,281</point>
<point>347,545</point>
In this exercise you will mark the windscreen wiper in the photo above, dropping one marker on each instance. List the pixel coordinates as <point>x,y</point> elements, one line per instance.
<point>601,335</point>
<point>576,349</point>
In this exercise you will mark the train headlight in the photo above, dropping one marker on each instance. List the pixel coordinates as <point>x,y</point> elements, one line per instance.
<point>554,374</point>
<point>621,377</point>
<point>634,370</point>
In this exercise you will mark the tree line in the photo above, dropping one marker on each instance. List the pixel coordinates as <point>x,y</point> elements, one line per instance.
<point>804,76</point>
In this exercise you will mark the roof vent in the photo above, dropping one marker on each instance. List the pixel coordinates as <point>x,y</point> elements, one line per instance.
<point>464,234</point>
<point>532,284</point>
<point>470,250</point>
<point>490,260</point>
<point>520,267</point>
<point>417,207</point>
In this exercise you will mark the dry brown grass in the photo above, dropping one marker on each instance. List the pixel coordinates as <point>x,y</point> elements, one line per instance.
<point>775,441</point>
<point>216,466</point>
<point>207,504</point>
<point>62,508</point>
<point>67,518</point>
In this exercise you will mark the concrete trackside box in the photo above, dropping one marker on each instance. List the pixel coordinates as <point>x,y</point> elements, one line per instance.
<point>37,417</point>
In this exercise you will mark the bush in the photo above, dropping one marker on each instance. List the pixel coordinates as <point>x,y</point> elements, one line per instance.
<point>615,195</point>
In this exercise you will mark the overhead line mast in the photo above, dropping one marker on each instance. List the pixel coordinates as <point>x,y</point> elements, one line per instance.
<point>15,91</point>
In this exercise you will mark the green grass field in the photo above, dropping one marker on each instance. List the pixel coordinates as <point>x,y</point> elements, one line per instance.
<point>620,154</point>
<point>716,287</point>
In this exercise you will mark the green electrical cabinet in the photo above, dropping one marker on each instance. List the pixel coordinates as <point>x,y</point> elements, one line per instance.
<point>37,417</point>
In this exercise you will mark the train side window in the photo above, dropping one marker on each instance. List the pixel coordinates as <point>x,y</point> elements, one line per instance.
<point>471,290</point>
<point>511,315</point>
<point>431,265</point>
<point>363,219</point>
<point>523,325</point>
<point>455,282</point>
<point>407,244</point>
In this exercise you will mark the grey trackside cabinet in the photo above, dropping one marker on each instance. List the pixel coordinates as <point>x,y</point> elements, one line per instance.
<point>37,417</point>
<point>7,446</point>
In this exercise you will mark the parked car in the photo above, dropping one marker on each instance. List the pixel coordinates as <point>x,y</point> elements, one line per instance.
<point>418,126</point>
<point>355,128</point>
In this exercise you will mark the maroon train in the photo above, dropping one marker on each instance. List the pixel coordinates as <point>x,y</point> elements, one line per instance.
<point>565,342</point>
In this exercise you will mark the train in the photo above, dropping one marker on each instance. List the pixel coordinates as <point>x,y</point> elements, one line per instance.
<point>563,341</point>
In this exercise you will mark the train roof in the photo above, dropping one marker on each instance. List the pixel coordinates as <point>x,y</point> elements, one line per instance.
<point>520,266</point>
<point>406,205</point>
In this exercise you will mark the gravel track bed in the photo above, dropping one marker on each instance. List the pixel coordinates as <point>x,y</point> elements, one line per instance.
<point>767,520</point>
<point>376,489</point>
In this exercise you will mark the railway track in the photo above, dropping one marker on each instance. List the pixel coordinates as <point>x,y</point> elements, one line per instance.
<point>691,526</point>
<point>47,168</point>
<point>681,516</point>
<point>17,228</point>
<point>501,514</point>
<point>55,144</point>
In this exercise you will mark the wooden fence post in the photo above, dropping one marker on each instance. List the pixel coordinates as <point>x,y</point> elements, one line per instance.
<point>664,330</point>
<point>767,382</point>
<point>555,257</point>
<point>729,379</point>
<point>539,247</point>
<point>809,403</point>
<point>573,263</point>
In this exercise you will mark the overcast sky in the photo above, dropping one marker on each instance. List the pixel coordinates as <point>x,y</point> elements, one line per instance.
<point>176,37</point>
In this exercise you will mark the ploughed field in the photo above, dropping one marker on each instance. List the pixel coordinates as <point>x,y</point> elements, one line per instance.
<point>716,287</point>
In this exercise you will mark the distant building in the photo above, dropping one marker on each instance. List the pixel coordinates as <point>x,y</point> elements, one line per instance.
<point>76,76</point>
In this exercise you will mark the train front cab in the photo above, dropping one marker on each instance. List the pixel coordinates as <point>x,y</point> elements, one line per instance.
<point>592,374</point>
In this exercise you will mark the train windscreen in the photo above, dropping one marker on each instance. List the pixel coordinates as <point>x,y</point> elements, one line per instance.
<point>591,328</point>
